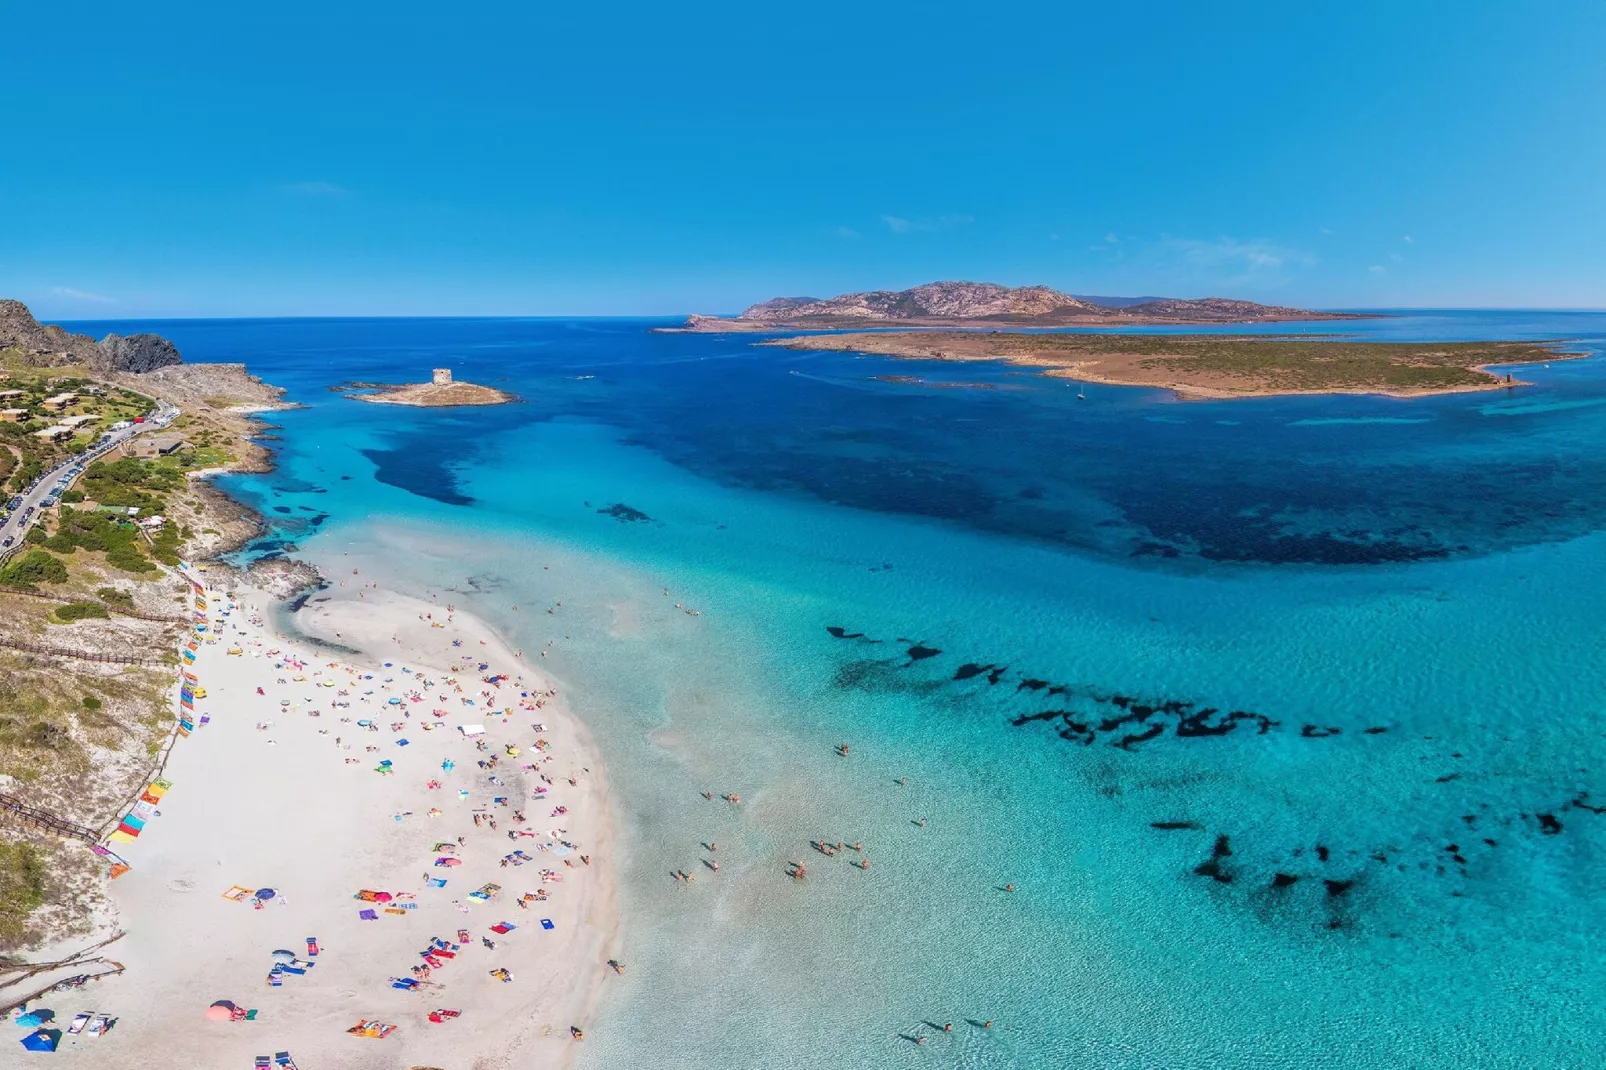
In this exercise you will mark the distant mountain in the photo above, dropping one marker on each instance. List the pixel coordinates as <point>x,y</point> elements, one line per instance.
<point>1217,310</point>
<point>935,300</point>
<point>986,304</point>
<point>47,346</point>
<point>1115,302</point>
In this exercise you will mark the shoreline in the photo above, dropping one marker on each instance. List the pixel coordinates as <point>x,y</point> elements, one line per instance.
<point>272,806</point>
<point>1223,366</point>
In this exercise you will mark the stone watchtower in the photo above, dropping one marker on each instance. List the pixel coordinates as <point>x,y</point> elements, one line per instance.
<point>443,377</point>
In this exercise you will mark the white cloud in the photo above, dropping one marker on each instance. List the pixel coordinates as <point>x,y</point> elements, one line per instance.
<point>1324,230</point>
<point>1111,238</point>
<point>316,189</point>
<point>1407,239</point>
<point>1253,257</point>
<point>1378,269</point>
<point>899,225</point>
<point>1397,258</point>
<point>81,295</point>
<point>845,232</point>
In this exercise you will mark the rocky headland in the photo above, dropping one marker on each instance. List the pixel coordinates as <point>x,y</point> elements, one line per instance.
<point>48,345</point>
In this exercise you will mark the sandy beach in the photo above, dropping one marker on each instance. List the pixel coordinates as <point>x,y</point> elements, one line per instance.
<point>283,786</point>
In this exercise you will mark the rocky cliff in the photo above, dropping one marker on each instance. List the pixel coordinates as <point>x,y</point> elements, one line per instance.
<point>50,345</point>
<point>138,353</point>
<point>42,345</point>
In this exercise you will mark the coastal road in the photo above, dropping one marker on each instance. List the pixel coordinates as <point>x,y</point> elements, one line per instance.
<point>64,475</point>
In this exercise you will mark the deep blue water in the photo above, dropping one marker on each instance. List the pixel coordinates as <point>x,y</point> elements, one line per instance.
<point>1123,473</point>
<point>1283,714</point>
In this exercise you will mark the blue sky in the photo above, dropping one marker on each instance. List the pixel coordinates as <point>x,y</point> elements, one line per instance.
<point>492,158</point>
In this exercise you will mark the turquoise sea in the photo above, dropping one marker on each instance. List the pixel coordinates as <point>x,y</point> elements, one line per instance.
<point>1283,717</point>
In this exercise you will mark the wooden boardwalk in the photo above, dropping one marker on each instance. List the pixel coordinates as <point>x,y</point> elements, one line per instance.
<point>14,809</point>
<point>80,655</point>
<point>116,611</point>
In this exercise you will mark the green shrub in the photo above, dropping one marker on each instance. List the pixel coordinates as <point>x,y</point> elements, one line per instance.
<point>112,596</point>
<point>73,496</point>
<point>128,559</point>
<point>34,568</point>
<point>81,611</point>
<point>91,702</point>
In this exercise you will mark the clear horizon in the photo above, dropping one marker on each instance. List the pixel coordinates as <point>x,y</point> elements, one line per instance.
<point>731,312</point>
<point>646,162</point>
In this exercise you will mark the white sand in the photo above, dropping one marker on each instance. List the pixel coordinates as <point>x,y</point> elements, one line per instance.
<point>283,808</point>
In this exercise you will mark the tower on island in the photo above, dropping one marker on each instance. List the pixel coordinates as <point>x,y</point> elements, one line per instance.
<point>442,377</point>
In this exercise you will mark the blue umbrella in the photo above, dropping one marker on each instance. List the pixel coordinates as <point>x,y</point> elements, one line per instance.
<point>42,1040</point>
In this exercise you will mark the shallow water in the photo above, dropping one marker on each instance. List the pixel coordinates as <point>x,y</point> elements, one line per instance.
<point>1343,649</point>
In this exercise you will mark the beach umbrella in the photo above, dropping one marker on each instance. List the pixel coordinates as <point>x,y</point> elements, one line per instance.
<point>42,1040</point>
<point>383,897</point>
<point>221,1011</point>
<point>31,1019</point>
<point>395,702</point>
<point>265,893</point>
<point>284,956</point>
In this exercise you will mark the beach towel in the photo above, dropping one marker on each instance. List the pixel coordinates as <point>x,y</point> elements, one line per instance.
<point>546,923</point>
<point>436,882</point>
<point>121,837</point>
<point>502,928</point>
<point>368,915</point>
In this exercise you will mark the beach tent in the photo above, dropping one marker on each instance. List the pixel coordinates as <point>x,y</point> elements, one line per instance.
<point>221,1011</point>
<point>42,1040</point>
<point>471,730</point>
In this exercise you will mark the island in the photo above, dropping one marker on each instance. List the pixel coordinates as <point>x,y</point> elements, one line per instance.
<point>1216,365</point>
<point>986,304</point>
<point>439,393</point>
